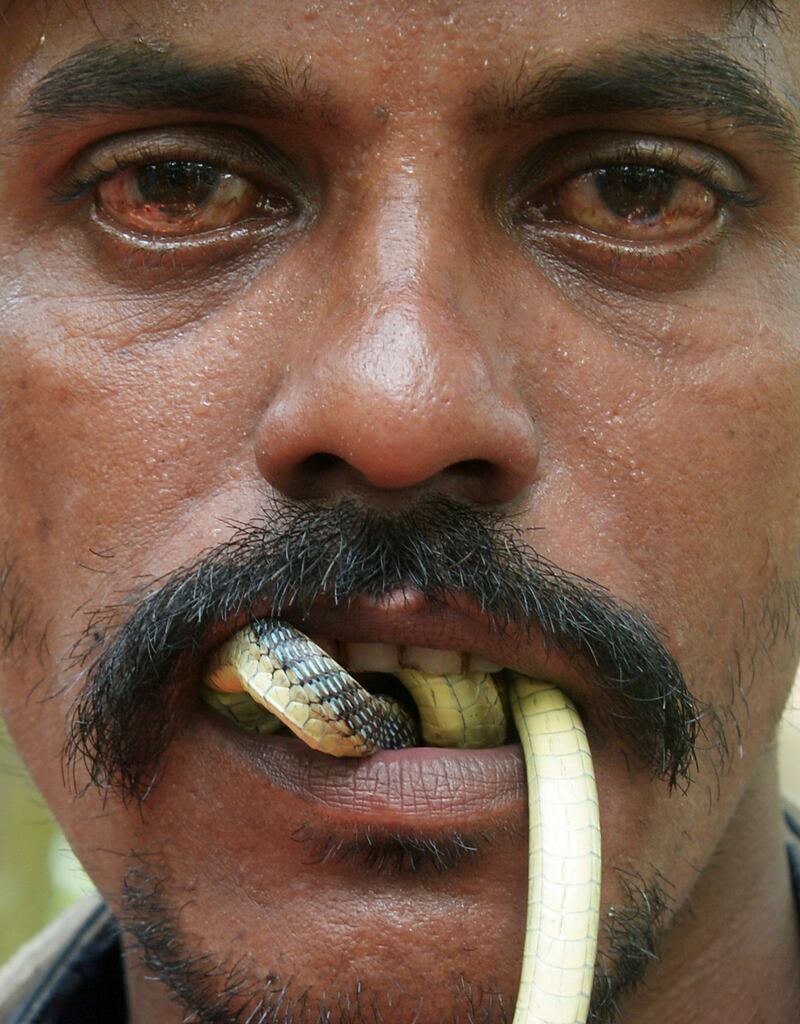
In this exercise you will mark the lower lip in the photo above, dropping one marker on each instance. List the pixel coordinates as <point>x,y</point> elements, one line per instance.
<point>419,787</point>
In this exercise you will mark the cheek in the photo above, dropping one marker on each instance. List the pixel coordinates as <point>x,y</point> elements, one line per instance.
<point>680,469</point>
<point>715,510</point>
<point>670,473</point>
<point>117,446</point>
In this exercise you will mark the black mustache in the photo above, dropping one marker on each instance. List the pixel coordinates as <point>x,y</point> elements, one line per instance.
<point>293,555</point>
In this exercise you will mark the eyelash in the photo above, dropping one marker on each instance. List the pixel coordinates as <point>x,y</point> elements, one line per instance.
<point>705,171</point>
<point>551,168</point>
<point>79,186</point>
<point>707,176</point>
<point>91,172</point>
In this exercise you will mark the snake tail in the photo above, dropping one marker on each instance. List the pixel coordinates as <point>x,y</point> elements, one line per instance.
<point>270,674</point>
<point>564,858</point>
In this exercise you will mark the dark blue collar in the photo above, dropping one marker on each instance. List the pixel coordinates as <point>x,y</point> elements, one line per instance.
<point>794,858</point>
<point>85,983</point>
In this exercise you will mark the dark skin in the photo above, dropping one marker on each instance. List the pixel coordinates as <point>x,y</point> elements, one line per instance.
<point>405,297</point>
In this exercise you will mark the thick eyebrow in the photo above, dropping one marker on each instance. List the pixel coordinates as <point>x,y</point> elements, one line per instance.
<point>693,79</point>
<point>115,78</point>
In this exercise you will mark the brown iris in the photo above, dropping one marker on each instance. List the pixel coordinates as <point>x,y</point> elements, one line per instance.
<point>181,197</point>
<point>634,202</point>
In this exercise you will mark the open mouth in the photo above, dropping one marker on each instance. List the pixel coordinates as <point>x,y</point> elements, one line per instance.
<point>270,671</point>
<point>270,679</point>
<point>388,686</point>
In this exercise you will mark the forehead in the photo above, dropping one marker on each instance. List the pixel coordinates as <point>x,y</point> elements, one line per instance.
<point>392,54</point>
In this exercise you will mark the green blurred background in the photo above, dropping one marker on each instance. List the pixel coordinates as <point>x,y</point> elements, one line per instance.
<point>39,875</point>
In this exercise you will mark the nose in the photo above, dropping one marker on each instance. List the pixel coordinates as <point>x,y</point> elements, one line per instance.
<point>401,381</point>
<point>404,398</point>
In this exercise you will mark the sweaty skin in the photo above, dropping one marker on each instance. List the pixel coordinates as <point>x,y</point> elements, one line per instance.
<point>298,683</point>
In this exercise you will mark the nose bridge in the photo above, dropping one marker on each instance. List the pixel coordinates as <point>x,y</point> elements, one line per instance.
<point>399,338</point>
<point>407,219</point>
<point>398,386</point>
<point>397,229</point>
<point>409,357</point>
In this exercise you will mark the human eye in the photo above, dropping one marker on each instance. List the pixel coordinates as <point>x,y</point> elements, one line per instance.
<point>179,198</point>
<point>635,202</point>
<point>640,193</point>
<point>181,185</point>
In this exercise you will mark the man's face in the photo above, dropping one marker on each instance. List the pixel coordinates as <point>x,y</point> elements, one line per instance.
<point>537,258</point>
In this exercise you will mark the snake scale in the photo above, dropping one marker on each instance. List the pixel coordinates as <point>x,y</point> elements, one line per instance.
<point>269,674</point>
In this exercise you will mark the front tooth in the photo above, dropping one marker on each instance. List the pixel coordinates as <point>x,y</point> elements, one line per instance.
<point>479,664</point>
<point>371,658</point>
<point>436,663</point>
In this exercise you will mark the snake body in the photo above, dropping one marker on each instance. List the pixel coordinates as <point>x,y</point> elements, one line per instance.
<point>303,687</point>
<point>271,674</point>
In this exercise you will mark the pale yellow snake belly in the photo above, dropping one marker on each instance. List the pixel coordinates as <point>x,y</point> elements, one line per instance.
<point>270,674</point>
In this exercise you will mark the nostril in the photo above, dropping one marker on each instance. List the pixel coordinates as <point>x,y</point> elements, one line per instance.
<point>472,468</point>
<point>324,473</point>
<point>476,478</point>
<point>320,463</point>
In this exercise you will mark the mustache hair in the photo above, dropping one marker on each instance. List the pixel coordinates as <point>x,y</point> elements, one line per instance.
<point>296,554</point>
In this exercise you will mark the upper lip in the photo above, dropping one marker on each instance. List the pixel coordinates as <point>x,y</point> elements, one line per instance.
<point>453,625</point>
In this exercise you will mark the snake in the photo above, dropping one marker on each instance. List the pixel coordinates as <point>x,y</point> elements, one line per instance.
<point>269,676</point>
